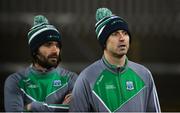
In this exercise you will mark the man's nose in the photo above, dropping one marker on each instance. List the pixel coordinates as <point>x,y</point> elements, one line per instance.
<point>54,48</point>
<point>121,36</point>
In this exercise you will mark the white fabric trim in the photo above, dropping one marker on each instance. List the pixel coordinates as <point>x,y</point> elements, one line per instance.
<point>100,31</point>
<point>111,17</point>
<point>28,95</point>
<point>39,31</point>
<point>101,101</point>
<point>53,106</point>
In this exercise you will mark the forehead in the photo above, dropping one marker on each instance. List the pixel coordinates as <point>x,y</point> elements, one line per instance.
<point>119,30</point>
<point>50,42</point>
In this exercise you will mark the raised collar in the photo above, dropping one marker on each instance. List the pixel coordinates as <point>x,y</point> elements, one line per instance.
<point>34,70</point>
<point>114,67</point>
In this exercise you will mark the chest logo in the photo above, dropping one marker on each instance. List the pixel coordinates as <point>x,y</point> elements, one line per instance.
<point>110,87</point>
<point>129,85</point>
<point>57,83</point>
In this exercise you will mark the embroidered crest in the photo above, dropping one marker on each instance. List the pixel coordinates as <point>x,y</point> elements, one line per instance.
<point>129,85</point>
<point>57,83</point>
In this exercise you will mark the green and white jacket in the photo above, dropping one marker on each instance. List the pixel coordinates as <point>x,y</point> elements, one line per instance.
<point>102,87</point>
<point>44,90</point>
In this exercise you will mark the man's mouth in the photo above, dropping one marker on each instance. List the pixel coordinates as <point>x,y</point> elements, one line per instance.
<point>53,58</point>
<point>121,46</point>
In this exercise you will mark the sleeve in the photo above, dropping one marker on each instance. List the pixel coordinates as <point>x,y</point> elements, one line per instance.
<point>153,101</point>
<point>42,107</point>
<point>13,97</point>
<point>80,96</point>
<point>39,106</point>
<point>73,78</point>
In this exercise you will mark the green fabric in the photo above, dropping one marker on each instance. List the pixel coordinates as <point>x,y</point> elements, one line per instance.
<point>39,22</point>
<point>40,19</point>
<point>114,90</point>
<point>38,87</point>
<point>102,13</point>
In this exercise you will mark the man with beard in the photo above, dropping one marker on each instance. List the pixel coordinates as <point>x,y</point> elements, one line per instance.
<point>114,83</point>
<point>43,86</point>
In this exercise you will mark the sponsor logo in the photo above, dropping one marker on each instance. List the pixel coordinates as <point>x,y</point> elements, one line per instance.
<point>100,79</point>
<point>33,86</point>
<point>110,86</point>
<point>53,36</point>
<point>29,83</point>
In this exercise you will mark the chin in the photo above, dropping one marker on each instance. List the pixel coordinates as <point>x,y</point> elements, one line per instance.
<point>117,55</point>
<point>52,62</point>
<point>122,53</point>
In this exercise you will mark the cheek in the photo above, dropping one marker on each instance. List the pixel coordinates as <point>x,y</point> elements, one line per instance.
<point>111,44</point>
<point>128,39</point>
<point>44,54</point>
<point>58,51</point>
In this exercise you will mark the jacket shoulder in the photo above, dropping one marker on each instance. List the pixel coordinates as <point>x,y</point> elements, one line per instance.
<point>65,72</point>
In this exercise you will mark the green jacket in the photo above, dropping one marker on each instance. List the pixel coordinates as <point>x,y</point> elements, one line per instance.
<point>44,90</point>
<point>102,87</point>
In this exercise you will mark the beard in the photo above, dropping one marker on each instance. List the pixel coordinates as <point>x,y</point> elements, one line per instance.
<point>48,62</point>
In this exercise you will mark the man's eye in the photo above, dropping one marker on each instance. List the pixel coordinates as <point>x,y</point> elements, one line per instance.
<point>125,32</point>
<point>47,44</point>
<point>114,34</point>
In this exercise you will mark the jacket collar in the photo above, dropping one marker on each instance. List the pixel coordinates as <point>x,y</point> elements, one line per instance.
<point>115,68</point>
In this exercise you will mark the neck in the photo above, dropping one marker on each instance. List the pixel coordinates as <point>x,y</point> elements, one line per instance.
<point>40,68</point>
<point>118,61</point>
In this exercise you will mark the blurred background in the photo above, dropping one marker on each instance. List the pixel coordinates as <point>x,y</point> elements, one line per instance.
<point>154,25</point>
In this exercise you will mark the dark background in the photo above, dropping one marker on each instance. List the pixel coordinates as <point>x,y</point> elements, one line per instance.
<point>154,25</point>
